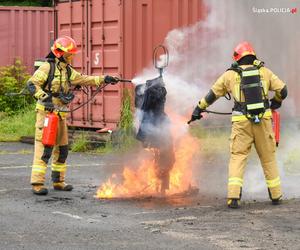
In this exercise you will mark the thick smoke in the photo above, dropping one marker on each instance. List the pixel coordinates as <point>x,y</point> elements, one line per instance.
<point>202,52</point>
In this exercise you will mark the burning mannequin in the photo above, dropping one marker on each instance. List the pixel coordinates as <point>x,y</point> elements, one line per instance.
<point>154,130</point>
<point>165,172</point>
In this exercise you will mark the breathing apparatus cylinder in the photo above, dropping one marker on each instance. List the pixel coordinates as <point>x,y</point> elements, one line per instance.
<point>276,125</point>
<point>50,129</point>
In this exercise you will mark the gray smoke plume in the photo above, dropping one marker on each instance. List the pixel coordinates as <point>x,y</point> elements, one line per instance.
<point>202,52</point>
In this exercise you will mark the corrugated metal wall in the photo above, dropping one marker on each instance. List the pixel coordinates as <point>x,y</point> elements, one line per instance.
<point>95,25</point>
<point>25,32</point>
<point>146,24</point>
<point>117,37</point>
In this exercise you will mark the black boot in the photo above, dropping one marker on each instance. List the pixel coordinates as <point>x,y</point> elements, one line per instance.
<point>276,201</point>
<point>233,203</point>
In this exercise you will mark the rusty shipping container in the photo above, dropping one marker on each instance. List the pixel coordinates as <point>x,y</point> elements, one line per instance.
<point>117,37</point>
<point>25,33</point>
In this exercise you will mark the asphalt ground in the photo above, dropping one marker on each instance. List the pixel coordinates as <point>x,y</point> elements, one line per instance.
<point>77,220</point>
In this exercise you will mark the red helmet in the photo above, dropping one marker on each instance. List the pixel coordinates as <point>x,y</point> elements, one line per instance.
<point>62,45</point>
<point>243,49</point>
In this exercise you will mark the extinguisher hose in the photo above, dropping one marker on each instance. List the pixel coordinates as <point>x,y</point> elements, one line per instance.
<point>217,113</point>
<point>93,96</point>
<point>88,100</point>
<point>212,112</point>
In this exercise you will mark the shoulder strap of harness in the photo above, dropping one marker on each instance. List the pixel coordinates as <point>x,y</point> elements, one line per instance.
<point>235,67</point>
<point>69,73</point>
<point>258,64</point>
<point>50,78</point>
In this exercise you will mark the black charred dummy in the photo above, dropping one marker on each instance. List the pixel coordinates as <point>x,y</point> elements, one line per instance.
<point>154,130</point>
<point>151,98</point>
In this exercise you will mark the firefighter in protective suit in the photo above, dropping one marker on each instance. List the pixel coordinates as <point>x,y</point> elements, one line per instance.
<point>249,82</point>
<point>50,85</point>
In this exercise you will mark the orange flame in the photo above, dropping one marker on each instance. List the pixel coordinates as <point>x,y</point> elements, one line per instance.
<point>144,181</point>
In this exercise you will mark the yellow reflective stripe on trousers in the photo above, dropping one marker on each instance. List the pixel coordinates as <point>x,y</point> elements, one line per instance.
<point>273,183</point>
<point>39,107</point>
<point>59,167</point>
<point>39,169</point>
<point>238,118</point>
<point>235,181</point>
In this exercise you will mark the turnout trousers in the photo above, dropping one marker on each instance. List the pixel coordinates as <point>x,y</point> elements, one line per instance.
<point>43,154</point>
<point>243,135</point>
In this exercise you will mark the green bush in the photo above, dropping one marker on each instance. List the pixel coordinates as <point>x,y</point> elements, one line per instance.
<point>13,79</point>
<point>44,3</point>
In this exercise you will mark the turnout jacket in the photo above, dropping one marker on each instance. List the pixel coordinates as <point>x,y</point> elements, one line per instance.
<point>60,81</point>
<point>229,82</point>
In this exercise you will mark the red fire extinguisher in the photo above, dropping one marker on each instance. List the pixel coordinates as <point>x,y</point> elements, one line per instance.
<point>276,125</point>
<point>50,129</point>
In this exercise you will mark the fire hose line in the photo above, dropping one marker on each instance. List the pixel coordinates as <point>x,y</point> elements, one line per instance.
<point>23,92</point>
<point>87,101</point>
<point>212,112</point>
<point>93,96</point>
<point>217,113</point>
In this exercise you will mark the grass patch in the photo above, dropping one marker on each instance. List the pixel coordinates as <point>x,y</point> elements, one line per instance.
<point>213,141</point>
<point>22,152</point>
<point>80,143</point>
<point>106,149</point>
<point>123,139</point>
<point>17,125</point>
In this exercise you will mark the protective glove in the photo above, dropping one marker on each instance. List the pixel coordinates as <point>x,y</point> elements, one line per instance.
<point>111,79</point>
<point>275,104</point>
<point>196,115</point>
<point>49,106</point>
<point>41,95</point>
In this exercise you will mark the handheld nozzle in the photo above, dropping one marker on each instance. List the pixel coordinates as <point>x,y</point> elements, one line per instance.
<point>124,80</point>
<point>194,119</point>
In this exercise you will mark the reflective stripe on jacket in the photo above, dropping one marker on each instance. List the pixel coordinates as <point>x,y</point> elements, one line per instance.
<point>60,79</point>
<point>229,82</point>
